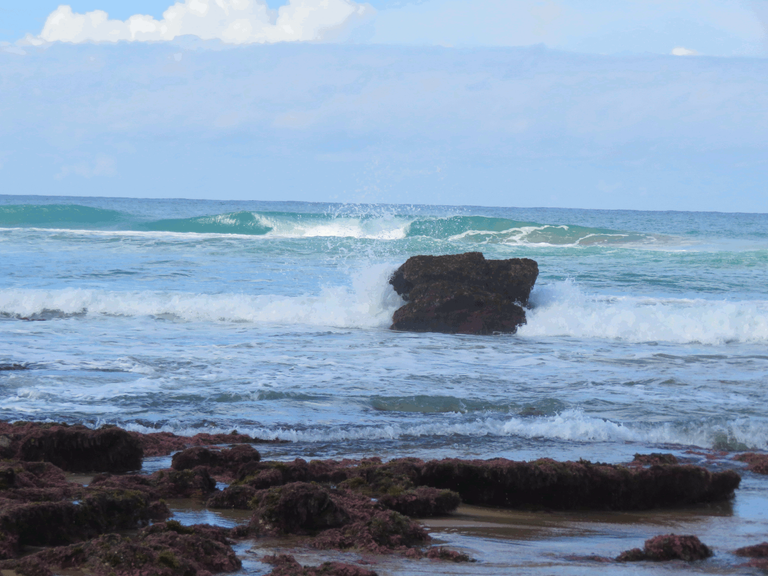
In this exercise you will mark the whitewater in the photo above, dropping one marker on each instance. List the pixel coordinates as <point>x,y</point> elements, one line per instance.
<point>646,331</point>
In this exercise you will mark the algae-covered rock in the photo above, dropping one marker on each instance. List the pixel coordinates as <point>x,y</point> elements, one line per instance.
<point>223,464</point>
<point>546,483</point>
<point>166,549</point>
<point>668,547</point>
<point>80,449</point>
<point>423,502</point>
<point>296,508</point>
<point>286,565</point>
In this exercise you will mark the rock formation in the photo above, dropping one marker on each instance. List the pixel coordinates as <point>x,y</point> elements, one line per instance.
<point>463,293</point>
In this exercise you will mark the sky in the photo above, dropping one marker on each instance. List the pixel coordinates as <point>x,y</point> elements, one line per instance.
<point>646,104</point>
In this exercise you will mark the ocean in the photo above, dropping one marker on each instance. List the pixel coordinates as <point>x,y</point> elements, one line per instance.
<point>647,331</point>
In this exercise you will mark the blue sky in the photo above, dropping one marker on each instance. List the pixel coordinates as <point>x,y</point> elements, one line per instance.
<point>516,103</point>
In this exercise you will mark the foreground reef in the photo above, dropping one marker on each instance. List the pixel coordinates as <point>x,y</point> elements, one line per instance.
<point>463,293</point>
<point>119,522</point>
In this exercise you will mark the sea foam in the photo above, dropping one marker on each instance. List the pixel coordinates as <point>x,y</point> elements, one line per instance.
<point>369,302</point>
<point>563,309</point>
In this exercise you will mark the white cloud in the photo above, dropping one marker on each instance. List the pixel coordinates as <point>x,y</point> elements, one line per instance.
<point>231,21</point>
<point>100,166</point>
<point>680,51</point>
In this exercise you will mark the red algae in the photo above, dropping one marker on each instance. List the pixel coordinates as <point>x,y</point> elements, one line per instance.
<point>222,464</point>
<point>654,459</point>
<point>72,448</point>
<point>286,565</point>
<point>165,443</point>
<point>668,547</point>
<point>758,554</point>
<point>423,502</point>
<point>166,549</point>
<point>555,485</point>
<point>758,463</point>
<point>756,551</point>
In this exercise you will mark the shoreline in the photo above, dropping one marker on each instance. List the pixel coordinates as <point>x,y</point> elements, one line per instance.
<point>236,477</point>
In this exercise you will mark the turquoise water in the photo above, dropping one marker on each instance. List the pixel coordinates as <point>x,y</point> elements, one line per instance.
<point>646,329</point>
<point>647,332</point>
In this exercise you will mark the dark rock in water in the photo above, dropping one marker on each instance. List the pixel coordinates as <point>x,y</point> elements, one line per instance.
<point>756,551</point>
<point>463,293</point>
<point>758,463</point>
<point>166,549</point>
<point>233,498</point>
<point>549,484</point>
<point>56,523</point>
<point>668,547</point>
<point>164,443</point>
<point>195,483</point>
<point>222,464</point>
<point>285,565</point>
<point>423,502</point>
<point>13,367</point>
<point>80,449</point>
<point>440,553</point>
<point>654,459</point>
<point>297,508</point>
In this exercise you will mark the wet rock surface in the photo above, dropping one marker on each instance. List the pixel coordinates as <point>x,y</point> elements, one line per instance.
<point>555,485</point>
<point>758,555</point>
<point>13,367</point>
<point>165,443</point>
<point>286,565</point>
<point>668,547</point>
<point>758,463</point>
<point>164,549</point>
<point>365,505</point>
<point>72,448</point>
<point>463,293</point>
<point>224,464</point>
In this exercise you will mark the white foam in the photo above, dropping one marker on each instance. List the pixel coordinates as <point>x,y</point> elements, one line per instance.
<point>563,309</point>
<point>570,425</point>
<point>369,302</point>
<point>383,228</point>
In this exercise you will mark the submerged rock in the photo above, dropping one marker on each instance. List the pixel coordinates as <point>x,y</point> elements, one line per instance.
<point>654,459</point>
<point>758,463</point>
<point>668,547</point>
<point>463,293</point>
<point>286,565</point>
<point>164,443</point>
<point>758,555</point>
<point>13,367</point>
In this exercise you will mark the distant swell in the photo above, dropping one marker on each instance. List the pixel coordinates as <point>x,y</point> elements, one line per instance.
<point>49,215</point>
<point>375,223</point>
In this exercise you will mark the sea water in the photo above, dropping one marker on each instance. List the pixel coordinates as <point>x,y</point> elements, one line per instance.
<point>647,331</point>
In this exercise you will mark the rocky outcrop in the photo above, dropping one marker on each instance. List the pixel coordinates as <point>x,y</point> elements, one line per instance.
<point>463,293</point>
<point>555,485</point>
<point>72,448</point>
<point>668,547</point>
<point>758,463</point>
<point>164,549</point>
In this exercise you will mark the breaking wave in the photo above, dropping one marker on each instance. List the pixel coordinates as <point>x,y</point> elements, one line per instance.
<point>378,225</point>
<point>563,309</point>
